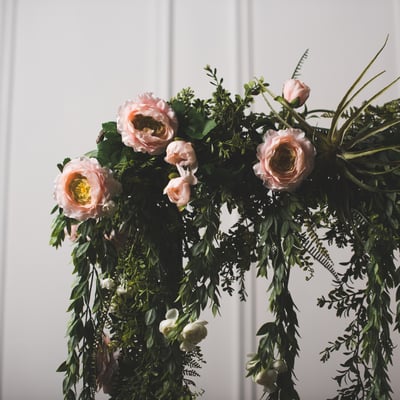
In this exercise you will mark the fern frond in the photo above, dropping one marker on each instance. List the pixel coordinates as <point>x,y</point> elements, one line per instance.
<point>296,72</point>
<point>358,218</point>
<point>313,245</point>
<point>192,363</point>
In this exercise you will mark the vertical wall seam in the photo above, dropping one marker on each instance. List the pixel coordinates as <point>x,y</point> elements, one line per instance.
<point>164,48</point>
<point>239,321</point>
<point>396,39</point>
<point>244,63</point>
<point>7,55</point>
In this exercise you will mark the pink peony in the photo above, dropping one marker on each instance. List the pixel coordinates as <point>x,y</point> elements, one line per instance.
<point>84,189</point>
<point>295,92</point>
<point>147,124</point>
<point>178,189</point>
<point>181,154</point>
<point>286,158</point>
<point>106,365</point>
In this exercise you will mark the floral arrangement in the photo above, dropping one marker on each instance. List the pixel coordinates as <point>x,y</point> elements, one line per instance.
<point>143,211</point>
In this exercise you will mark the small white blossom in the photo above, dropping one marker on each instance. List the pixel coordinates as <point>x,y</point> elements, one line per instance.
<point>192,334</point>
<point>267,378</point>
<point>280,366</point>
<point>187,346</point>
<point>107,283</point>
<point>169,323</point>
<point>122,290</point>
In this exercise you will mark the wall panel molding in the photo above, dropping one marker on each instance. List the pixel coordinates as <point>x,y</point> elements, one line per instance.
<point>163,45</point>
<point>396,38</point>
<point>244,41</point>
<point>245,313</point>
<point>7,46</point>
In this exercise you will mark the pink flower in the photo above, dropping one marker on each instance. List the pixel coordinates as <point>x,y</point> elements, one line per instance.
<point>295,92</point>
<point>181,154</point>
<point>147,124</point>
<point>84,189</point>
<point>106,365</point>
<point>178,189</point>
<point>286,158</point>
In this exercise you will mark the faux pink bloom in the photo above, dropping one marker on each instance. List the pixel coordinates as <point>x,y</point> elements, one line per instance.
<point>84,189</point>
<point>106,365</point>
<point>181,153</point>
<point>295,92</point>
<point>147,124</point>
<point>178,189</point>
<point>286,158</point>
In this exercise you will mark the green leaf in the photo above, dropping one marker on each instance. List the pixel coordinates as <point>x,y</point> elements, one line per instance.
<point>62,367</point>
<point>79,290</point>
<point>268,327</point>
<point>109,127</point>
<point>200,126</point>
<point>110,149</point>
<point>57,233</point>
<point>81,250</point>
<point>345,102</point>
<point>150,316</point>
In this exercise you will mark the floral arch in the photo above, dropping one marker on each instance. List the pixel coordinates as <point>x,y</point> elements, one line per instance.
<point>144,212</point>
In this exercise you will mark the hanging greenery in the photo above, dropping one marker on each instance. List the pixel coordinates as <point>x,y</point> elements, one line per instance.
<point>150,253</point>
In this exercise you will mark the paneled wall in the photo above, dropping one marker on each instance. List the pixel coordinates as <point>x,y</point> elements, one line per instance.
<point>66,66</point>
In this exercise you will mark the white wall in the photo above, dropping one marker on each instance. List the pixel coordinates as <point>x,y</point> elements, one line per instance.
<point>66,65</point>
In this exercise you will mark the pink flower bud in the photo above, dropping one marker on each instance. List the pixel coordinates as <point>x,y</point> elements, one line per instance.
<point>295,92</point>
<point>181,153</point>
<point>178,189</point>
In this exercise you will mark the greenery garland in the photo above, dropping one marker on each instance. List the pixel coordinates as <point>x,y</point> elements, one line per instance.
<point>150,253</point>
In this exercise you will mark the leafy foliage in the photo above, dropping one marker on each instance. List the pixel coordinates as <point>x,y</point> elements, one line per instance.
<point>161,257</point>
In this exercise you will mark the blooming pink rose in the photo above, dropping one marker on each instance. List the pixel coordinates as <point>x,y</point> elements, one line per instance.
<point>295,92</point>
<point>147,124</point>
<point>84,189</point>
<point>181,154</point>
<point>106,365</point>
<point>178,189</point>
<point>286,158</point>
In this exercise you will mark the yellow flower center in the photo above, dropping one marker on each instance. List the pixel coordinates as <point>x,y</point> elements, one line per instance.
<point>80,190</point>
<point>283,159</point>
<point>148,125</point>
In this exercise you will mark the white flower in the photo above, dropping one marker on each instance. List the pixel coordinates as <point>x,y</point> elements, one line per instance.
<point>192,334</point>
<point>187,346</point>
<point>270,388</point>
<point>169,323</point>
<point>121,290</point>
<point>267,378</point>
<point>107,283</point>
<point>280,366</point>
